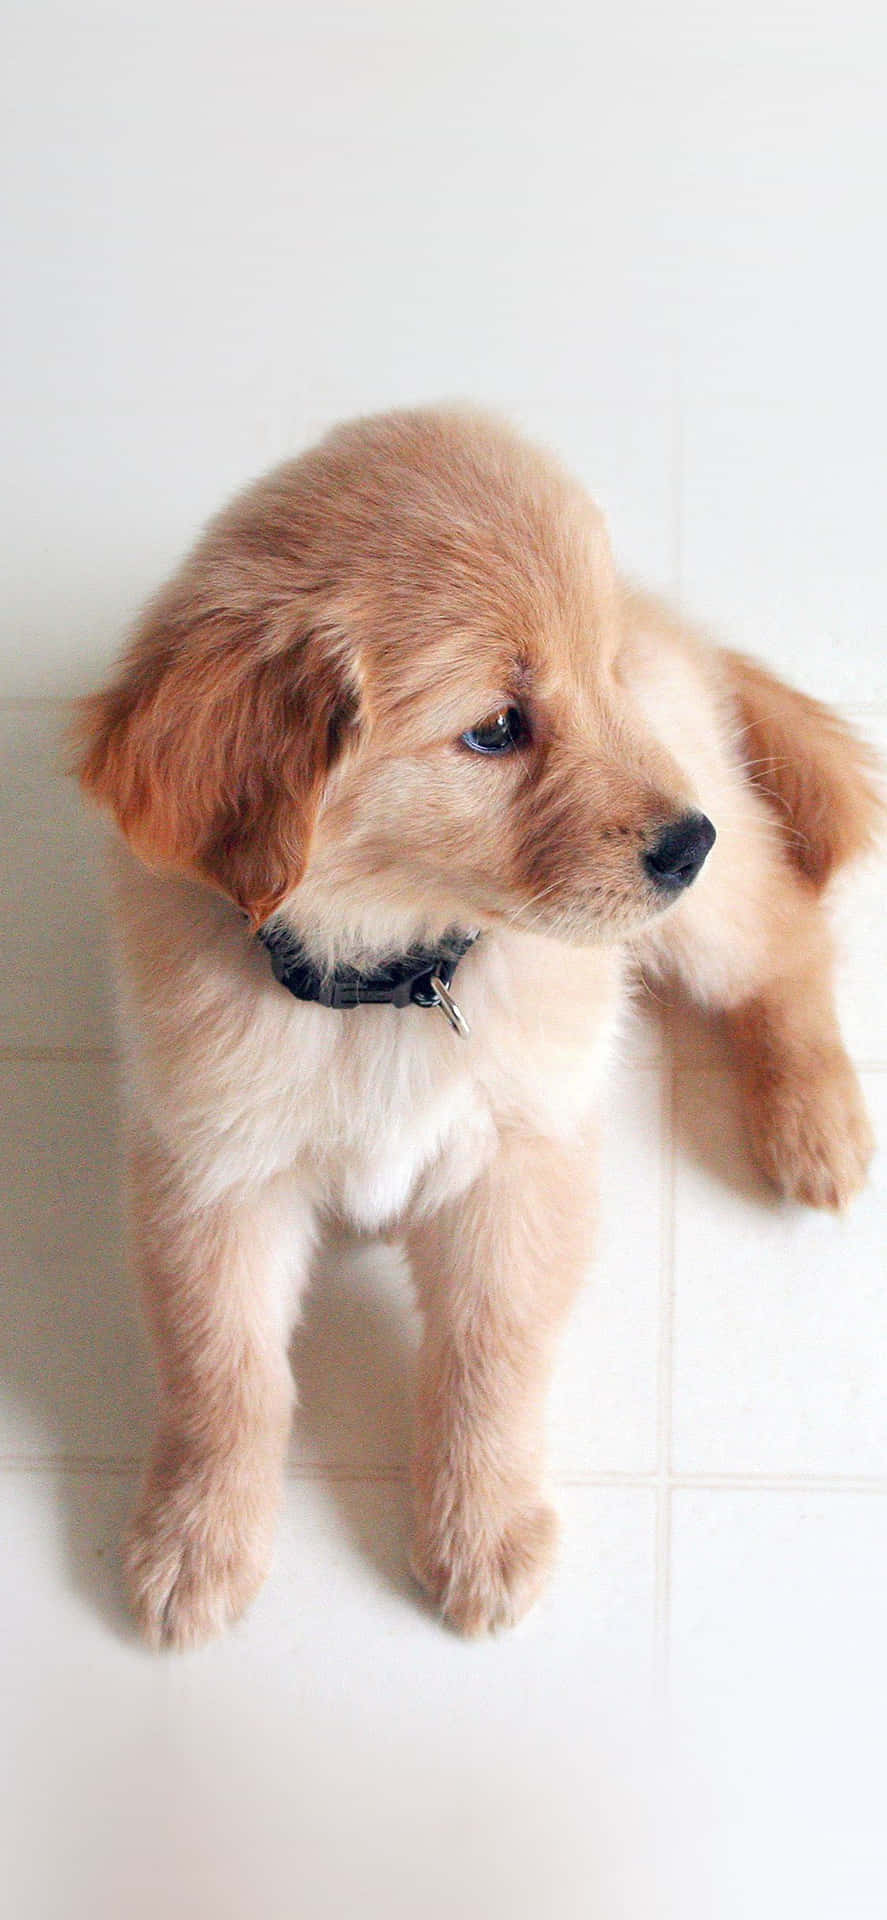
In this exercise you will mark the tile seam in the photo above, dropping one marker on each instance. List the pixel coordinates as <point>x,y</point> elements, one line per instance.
<point>664,1368</point>
<point>312,1471</point>
<point>54,1056</point>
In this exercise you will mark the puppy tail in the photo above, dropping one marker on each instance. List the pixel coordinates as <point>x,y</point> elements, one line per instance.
<point>824,781</point>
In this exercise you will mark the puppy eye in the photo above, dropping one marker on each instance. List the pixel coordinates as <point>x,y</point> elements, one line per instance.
<point>500,733</point>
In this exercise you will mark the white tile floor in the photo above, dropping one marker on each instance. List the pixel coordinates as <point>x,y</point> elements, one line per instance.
<point>661,248</point>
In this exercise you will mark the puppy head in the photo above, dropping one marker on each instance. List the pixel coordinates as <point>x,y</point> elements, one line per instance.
<point>385,691</point>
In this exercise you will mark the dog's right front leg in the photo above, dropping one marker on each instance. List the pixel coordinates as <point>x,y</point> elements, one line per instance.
<point>220,1283</point>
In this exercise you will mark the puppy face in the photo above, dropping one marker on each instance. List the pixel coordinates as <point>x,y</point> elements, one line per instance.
<point>385,691</point>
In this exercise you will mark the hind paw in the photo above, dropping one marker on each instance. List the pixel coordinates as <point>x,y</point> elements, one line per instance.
<point>809,1129</point>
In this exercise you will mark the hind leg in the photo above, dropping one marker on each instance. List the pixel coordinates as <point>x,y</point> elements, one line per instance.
<point>751,941</point>
<point>793,795</point>
<point>807,1124</point>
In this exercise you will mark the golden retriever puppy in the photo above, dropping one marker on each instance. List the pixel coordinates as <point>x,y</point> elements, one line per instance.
<point>413,780</point>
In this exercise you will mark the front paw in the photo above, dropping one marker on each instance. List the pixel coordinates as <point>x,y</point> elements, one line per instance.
<point>810,1132</point>
<point>485,1570</point>
<point>199,1547</point>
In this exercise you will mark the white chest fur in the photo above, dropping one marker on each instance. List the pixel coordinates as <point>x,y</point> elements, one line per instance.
<point>376,1109</point>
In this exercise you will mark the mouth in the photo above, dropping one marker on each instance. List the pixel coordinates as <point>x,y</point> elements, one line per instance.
<point>607,910</point>
<point>667,869</point>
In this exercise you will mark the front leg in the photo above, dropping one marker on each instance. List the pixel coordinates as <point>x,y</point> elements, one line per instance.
<point>495,1271</point>
<point>221,1282</point>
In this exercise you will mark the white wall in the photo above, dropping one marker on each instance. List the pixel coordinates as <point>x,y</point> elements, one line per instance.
<point>654,235</point>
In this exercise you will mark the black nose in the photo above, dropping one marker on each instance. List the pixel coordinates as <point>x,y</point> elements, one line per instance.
<point>679,852</point>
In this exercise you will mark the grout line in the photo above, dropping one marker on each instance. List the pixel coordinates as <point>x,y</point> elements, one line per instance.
<point>780,1482</point>
<point>294,1470</point>
<point>664,1371</point>
<point>133,1463</point>
<point>37,1055</point>
<point>342,1471</point>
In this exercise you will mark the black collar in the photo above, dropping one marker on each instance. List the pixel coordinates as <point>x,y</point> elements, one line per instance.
<point>410,979</point>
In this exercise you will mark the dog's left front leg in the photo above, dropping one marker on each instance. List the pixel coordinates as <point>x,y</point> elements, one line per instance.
<point>495,1271</point>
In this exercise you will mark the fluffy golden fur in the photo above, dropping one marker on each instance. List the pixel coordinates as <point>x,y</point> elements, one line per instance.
<point>284,739</point>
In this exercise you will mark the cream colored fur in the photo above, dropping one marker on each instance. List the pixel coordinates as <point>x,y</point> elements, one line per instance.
<point>255,1119</point>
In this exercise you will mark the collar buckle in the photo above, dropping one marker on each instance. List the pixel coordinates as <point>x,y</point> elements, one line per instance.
<point>449,1009</point>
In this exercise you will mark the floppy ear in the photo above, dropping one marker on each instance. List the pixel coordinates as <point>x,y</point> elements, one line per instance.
<point>212,745</point>
<point>824,782</point>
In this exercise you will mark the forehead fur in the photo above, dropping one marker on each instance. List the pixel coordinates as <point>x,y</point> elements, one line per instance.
<point>457,557</point>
